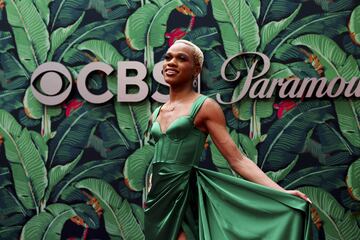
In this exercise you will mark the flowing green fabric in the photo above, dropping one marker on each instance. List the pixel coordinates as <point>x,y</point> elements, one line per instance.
<point>209,205</point>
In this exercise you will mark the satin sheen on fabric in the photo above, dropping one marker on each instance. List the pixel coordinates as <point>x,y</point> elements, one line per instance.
<point>209,205</point>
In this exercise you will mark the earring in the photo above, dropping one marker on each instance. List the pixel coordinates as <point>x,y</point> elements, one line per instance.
<point>195,83</point>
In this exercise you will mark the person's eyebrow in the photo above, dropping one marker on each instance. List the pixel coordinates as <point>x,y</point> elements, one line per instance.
<point>180,54</point>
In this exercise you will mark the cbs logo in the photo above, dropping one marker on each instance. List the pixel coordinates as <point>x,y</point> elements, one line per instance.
<point>53,92</point>
<point>51,83</point>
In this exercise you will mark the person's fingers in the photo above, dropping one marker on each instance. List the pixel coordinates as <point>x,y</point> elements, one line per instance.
<point>303,196</point>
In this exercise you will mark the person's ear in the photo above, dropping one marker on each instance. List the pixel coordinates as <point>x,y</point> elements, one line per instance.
<point>197,70</point>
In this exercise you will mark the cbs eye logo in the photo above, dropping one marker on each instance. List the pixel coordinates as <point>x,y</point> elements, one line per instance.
<point>51,83</point>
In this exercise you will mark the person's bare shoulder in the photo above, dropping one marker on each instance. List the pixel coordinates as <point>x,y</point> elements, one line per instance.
<point>211,107</point>
<point>210,110</point>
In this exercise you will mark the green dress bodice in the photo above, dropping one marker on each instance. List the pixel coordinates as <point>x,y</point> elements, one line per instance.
<point>182,142</point>
<point>206,204</point>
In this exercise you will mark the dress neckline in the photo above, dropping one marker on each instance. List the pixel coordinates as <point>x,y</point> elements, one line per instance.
<point>180,117</point>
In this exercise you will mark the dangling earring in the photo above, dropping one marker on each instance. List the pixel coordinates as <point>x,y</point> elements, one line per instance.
<point>195,82</point>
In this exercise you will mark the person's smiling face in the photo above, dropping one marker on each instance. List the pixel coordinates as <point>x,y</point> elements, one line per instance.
<point>179,66</point>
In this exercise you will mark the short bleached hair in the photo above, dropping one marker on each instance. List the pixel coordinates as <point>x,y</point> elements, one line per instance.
<point>198,54</point>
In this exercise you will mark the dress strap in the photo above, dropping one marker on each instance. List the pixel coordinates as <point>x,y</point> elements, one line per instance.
<point>196,105</point>
<point>155,113</point>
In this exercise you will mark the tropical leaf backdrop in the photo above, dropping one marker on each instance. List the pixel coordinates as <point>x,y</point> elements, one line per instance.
<point>76,170</point>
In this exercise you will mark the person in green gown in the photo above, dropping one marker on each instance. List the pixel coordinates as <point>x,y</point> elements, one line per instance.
<point>185,201</point>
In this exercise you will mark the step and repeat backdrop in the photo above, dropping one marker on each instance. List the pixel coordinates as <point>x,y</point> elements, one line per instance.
<point>73,167</point>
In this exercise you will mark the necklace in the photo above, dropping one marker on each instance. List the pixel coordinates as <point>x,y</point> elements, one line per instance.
<point>170,109</point>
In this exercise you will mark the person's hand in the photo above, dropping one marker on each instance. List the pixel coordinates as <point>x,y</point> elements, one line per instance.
<point>299,194</point>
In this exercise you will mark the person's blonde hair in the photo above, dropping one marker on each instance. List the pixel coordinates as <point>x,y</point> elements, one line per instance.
<point>198,54</point>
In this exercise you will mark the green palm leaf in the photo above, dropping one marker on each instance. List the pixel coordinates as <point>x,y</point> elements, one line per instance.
<point>302,69</point>
<point>16,219</point>
<point>129,53</point>
<point>33,108</point>
<point>198,7</point>
<point>139,214</point>
<point>27,166</point>
<point>238,27</point>
<point>72,135</point>
<point>97,144</point>
<point>114,141</point>
<point>279,175</point>
<point>10,204</point>
<point>48,224</point>
<point>249,108</point>
<point>29,31</point>
<point>354,27</point>
<point>66,12</point>
<point>103,51</point>
<point>6,42</point>
<point>326,152</point>
<point>352,179</point>
<point>147,25</point>
<point>136,165</point>
<point>77,59</point>
<point>118,216</point>
<point>348,112</point>
<point>330,24</point>
<point>88,214</point>
<point>107,170</point>
<point>286,137</point>
<point>274,10</point>
<point>329,178</point>
<point>336,222</point>
<point>57,173</point>
<point>204,37</point>
<point>255,6</point>
<point>43,9</point>
<point>279,70</point>
<point>133,118</point>
<point>61,34</point>
<point>213,61</point>
<point>337,64</point>
<point>113,9</point>
<point>329,53</point>
<point>26,121</point>
<point>338,158</point>
<point>270,30</point>
<point>11,99</point>
<point>5,177</point>
<point>331,140</point>
<point>40,144</point>
<point>15,76</point>
<point>12,232</point>
<point>108,30</point>
<point>252,110</point>
<point>335,6</point>
<point>349,46</point>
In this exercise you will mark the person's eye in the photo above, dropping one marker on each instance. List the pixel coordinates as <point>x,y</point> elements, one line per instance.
<point>182,58</point>
<point>167,57</point>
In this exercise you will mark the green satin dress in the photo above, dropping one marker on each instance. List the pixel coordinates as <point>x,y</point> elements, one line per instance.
<point>210,205</point>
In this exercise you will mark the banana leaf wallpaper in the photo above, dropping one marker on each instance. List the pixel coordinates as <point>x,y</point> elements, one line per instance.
<point>76,170</point>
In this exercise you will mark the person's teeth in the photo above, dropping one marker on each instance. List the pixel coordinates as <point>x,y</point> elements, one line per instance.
<point>171,72</point>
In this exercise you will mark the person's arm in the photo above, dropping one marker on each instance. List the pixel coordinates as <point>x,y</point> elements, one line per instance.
<point>215,123</point>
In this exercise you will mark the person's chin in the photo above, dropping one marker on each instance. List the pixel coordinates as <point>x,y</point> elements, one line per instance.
<point>170,80</point>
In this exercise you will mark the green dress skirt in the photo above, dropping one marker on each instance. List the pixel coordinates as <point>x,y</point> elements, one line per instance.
<point>210,205</point>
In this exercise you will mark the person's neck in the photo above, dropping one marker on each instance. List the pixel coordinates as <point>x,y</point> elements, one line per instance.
<point>180,94</point>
